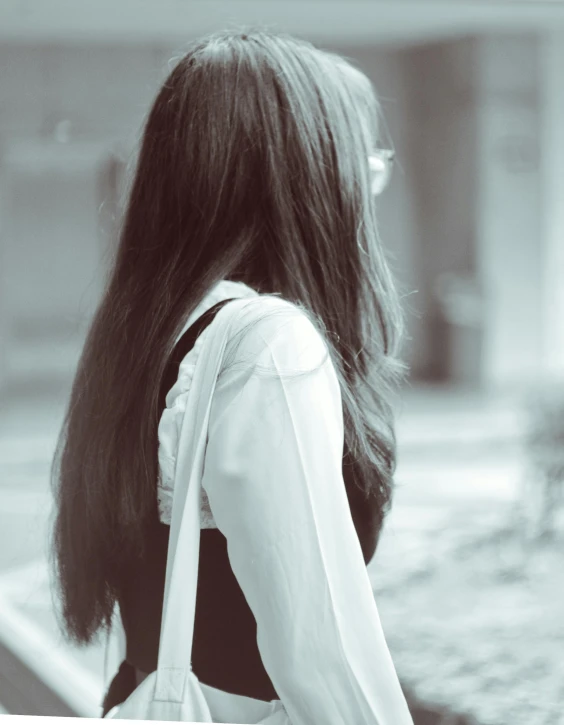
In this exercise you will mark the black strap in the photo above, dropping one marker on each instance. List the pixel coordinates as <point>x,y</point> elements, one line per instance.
<point>183,347</point>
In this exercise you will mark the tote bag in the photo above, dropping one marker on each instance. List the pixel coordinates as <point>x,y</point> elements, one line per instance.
<point>173,692</point>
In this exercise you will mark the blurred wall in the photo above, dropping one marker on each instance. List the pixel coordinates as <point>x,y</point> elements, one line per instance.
<point>443,140</point>
<point>63,112</point>
<point>476,143</point>
<point>510,212</point>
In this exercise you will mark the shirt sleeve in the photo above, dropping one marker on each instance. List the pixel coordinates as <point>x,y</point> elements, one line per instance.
<point>273,476</point>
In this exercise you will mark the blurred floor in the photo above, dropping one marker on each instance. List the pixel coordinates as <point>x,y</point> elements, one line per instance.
<point>457,450</point>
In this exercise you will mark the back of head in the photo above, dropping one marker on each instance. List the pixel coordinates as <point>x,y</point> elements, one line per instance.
<point>254,159</point>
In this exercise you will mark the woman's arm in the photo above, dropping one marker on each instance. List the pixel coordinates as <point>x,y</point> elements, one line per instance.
<point>273,475</point>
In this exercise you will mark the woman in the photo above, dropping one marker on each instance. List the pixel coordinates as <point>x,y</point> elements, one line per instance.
<point>254,179</point>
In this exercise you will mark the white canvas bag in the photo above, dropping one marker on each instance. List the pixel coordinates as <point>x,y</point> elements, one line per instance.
<point>173,692</point>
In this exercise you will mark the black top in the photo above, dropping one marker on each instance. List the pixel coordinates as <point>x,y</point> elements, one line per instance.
<point>225,652</point>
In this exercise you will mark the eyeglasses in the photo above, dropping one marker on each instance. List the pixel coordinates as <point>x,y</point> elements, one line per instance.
<point>381,163</point>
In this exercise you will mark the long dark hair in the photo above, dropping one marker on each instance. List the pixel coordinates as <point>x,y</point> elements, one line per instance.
<point>252,167</point>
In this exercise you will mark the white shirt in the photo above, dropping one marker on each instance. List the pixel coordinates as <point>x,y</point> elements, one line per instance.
<point>274,488</point>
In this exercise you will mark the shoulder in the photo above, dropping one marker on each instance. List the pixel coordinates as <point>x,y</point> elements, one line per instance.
<point>270,328</point>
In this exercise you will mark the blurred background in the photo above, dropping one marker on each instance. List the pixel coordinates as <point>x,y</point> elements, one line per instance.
<point>468,576</point>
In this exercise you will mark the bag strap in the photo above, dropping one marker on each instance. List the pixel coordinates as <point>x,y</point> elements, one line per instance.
<point>179,605</point>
